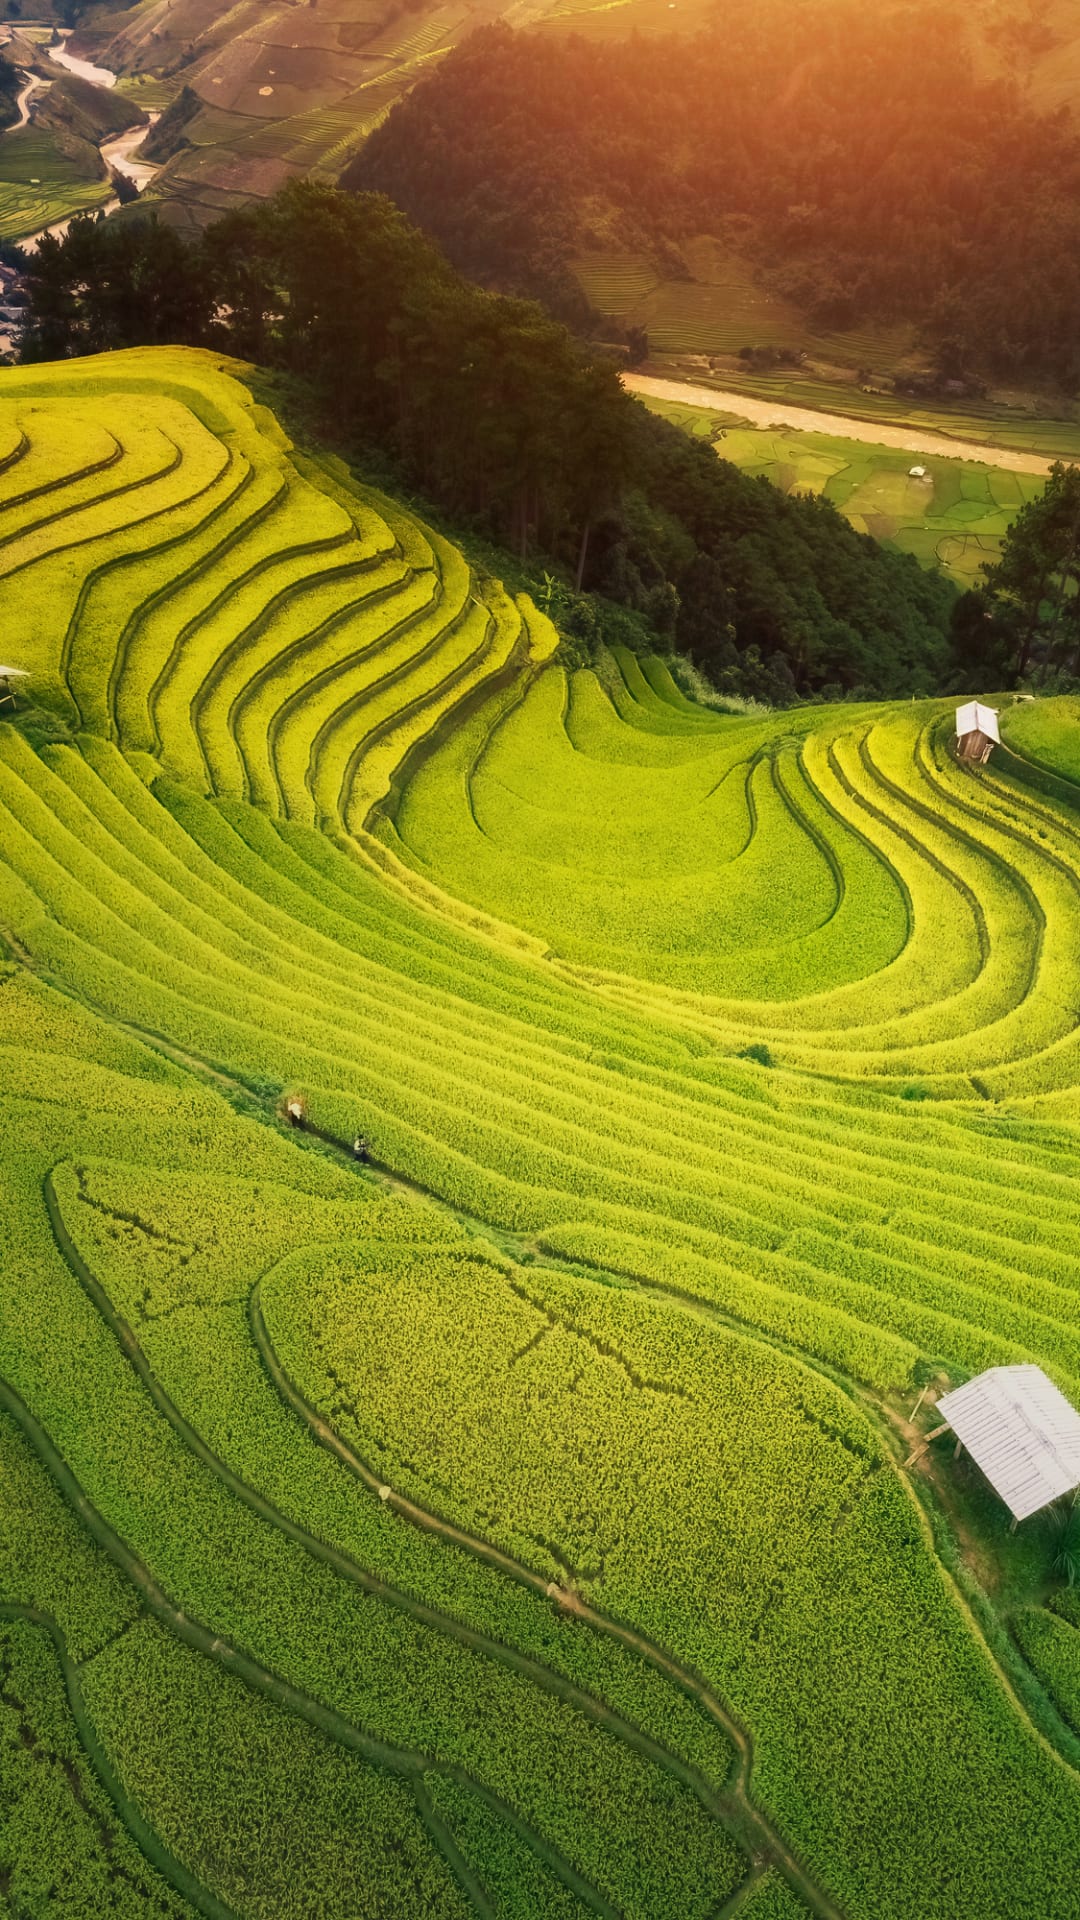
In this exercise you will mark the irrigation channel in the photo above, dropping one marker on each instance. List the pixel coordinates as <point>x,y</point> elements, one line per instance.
<point>117,154</point>
<point>878,433</point>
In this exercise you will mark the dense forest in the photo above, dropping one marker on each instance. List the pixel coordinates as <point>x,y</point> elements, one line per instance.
<point>497,416</point>
<point>859,161</point>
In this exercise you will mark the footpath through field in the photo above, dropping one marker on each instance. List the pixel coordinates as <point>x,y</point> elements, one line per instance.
<point>778,413</point>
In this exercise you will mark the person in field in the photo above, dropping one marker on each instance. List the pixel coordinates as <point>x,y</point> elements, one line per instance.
<point>361,1150</point>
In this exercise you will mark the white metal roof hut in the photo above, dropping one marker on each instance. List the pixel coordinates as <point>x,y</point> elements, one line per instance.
<point>1021,1432</point>
<point>7,691</point>
<point>976,732</point>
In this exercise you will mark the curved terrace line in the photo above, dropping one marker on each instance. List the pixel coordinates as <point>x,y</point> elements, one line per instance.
<point>404,1762</point>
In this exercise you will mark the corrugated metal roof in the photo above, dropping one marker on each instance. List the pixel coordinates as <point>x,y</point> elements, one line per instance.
<point>1021,1431</point>
<point>975,718</point>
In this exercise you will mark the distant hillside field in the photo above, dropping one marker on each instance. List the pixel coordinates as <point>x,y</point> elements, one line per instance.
<point>50,163</point>
<point>497,1495</point>
<point>886,193</point>
<point>948,513</point>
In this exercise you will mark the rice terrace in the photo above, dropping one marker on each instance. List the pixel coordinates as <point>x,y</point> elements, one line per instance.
<point>540,1517</point>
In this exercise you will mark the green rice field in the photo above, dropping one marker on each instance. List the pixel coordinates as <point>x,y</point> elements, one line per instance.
<point>954,514</point>
<point>40,184</point>
<point>525,1521</point>
<point>718,307</point>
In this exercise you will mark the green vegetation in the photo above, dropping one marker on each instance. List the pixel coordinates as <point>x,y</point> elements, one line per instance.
<point>467,397</point>
<point>270,98</point>
<point>849,183</point>
<point>1020,427</point>
<point>40,183</point>
<point>1048,733</point>
<point>716,306</point>
<point>953,514</point>
<point>51,168</point>
<point>528,1508</point>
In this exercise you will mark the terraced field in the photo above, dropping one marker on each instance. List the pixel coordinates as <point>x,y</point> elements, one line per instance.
<point>698,324</point>
<point>717,307</point>
<point>283,93</point>
<point>519,1525</point>
<point>41,183</point>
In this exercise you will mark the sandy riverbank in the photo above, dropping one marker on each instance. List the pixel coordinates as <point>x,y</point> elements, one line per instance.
<point>878,433</point>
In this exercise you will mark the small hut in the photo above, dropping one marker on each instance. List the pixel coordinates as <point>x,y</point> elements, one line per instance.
<point>976,732</point>
<point>1021,1432</point>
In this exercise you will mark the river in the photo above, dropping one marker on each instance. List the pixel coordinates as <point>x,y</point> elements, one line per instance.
<point>98,76</point>
<point>118,153</point>
<point>878,433</point>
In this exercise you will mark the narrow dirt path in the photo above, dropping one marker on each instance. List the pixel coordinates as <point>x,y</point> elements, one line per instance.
<point>877,433</point>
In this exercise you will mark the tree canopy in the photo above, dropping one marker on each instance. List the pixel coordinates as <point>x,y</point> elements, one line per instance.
<point>855,155</point>
<point>501,418</point>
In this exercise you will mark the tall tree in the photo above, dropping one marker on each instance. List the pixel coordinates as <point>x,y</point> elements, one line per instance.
<point>1037,578</point>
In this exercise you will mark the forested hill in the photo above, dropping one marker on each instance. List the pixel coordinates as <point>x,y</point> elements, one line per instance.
<point>861,161</point>
<point>499,417</point>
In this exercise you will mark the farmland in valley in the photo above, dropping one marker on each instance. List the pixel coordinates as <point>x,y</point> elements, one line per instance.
<point>268,96</point>
<point>39,183</point>
<point>697,326</point>
<point>716,306</point>
<point>50,164</point>
<point>519,1525</point>
<point>948,513</point>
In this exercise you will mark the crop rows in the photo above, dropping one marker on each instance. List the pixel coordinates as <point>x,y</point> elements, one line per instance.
<point>541,1556</point>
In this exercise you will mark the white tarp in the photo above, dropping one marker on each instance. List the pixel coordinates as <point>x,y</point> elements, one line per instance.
<point>13,673</point>
<point>974,718</point>
<point>1021,1431</point>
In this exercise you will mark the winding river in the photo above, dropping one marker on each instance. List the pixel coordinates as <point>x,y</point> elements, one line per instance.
<point>98,76</point>
<point>118,153</point>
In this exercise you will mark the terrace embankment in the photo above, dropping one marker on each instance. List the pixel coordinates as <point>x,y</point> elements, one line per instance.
<point>748,1046</point>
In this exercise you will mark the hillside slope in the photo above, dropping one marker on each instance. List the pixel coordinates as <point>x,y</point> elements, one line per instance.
<point>517,1526</point>
<point>914,198</point>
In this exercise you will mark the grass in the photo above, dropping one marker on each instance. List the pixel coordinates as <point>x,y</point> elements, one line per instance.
<point>533,1502</point>
<point>955,515</point>
<point>41,184</point>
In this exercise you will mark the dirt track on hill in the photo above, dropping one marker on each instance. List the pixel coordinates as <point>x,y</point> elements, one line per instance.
<point>878,433</point>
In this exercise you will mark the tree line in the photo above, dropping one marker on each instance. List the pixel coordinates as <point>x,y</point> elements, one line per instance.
<point>1024,621</point>
<point>496,415</point>
<point>857,156</point>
